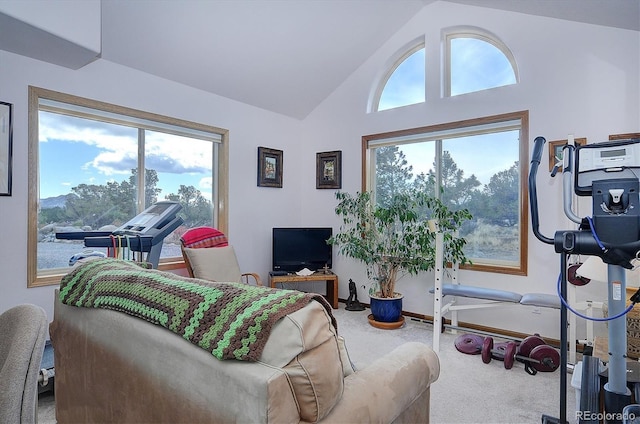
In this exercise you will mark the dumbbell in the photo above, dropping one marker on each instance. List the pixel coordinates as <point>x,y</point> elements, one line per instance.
<point>533,352</point>
<point>471,344</point>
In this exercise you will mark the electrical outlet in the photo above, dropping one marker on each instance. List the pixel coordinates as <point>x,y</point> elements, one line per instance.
<point>536,311</point>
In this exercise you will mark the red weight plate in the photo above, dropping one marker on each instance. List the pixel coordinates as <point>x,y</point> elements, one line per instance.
<point>545,358</point>
<point>529,344</point>
<point>471,344</point>
<point>510,355</point>
<point>498,351</point>
<point>487,346</point>
<point>574,278</point>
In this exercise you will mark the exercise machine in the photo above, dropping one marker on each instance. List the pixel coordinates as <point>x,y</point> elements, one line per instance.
<point>143,233</point>
<point>608,172</point>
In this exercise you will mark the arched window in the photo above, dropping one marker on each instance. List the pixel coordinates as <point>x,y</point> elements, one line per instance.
<point>474,61</point>
<point>404,83</point>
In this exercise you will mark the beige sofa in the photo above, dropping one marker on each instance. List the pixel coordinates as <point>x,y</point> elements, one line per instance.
<point>112,367</point>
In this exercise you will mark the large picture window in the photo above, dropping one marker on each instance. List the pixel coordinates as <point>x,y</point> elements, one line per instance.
<point>93,166</point>
<point>479,164</point>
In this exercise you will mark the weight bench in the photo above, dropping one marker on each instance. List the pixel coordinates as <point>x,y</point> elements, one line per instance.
<point>501,296</point>
<point>492,298</point>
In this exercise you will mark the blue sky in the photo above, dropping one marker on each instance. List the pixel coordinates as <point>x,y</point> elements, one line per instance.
<point>481,155</point>
<point>74,151</point>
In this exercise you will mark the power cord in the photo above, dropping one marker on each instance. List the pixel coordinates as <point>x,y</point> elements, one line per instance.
<point>634,299</point>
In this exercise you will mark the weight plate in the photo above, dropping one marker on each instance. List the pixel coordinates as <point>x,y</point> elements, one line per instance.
<point>545,358</point>
<point>487,346</point>
<point>529,344</point>
<point>471,344</point>
<point>498,351</point>
<point>574,278</point>
<point>510,355</point>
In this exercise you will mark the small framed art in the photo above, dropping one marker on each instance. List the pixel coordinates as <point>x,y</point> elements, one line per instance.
<point>269,167</point>
<point>555,151</point>
<point>329,169</point>
<point>6,147</point>
<point>626,136</point>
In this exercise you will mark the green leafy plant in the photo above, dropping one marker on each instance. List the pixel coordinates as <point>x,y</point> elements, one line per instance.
<point>397,239</point>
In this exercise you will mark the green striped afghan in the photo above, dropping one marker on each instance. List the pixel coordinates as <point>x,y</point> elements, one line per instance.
<point>230,320</point>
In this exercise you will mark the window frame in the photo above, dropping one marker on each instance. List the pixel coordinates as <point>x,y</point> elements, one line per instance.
<point>36,278</point>
<point>406,52</point>
<point>478,34</point>
<point>459,127</point>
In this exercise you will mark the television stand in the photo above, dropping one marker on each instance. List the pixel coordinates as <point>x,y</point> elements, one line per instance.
<point>329,277</point>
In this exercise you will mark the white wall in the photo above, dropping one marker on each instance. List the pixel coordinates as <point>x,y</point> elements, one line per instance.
<point>253,210</point>
<point>575,79</point>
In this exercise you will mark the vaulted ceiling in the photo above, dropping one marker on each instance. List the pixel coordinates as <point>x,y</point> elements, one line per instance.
<point>287,56</point>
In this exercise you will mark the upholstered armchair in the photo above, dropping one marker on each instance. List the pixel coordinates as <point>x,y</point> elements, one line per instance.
<point>22,339</point>
<point>208,255</point>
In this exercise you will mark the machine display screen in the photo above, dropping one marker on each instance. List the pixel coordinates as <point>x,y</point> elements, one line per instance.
<point>159,208</point>
<point>612,153</point>
<point>152,218</point>
<point>611,160</point>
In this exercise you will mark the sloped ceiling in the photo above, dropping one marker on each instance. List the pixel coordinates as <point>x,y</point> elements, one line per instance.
<point>287,56</point>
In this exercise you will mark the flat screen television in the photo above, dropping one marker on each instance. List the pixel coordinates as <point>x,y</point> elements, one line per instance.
<point>297,248</point>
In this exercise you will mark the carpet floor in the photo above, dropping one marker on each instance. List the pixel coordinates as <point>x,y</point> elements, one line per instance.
<point>467,391</point>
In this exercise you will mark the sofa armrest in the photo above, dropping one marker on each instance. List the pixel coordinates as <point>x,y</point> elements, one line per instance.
<point>383,391</point>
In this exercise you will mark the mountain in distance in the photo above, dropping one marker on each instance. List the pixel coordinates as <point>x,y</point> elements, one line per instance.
<point>53,202</point>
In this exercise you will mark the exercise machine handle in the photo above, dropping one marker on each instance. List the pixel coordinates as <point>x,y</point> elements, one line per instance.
<point>538,144</point>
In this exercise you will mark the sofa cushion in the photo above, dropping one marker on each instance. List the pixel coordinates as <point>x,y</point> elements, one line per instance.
<point>305,345</point>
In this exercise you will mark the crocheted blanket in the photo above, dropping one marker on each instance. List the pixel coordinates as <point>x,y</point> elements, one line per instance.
<point>230,320</point>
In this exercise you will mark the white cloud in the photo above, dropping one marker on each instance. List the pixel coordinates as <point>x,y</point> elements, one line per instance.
<point>118,146</point>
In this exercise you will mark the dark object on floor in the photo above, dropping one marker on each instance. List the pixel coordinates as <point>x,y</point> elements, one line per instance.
<point>352,302</point>
<point>471,344</point>
<point>47,370</point>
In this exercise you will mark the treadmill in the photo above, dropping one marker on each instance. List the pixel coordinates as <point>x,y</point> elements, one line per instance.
<point>143,233</point>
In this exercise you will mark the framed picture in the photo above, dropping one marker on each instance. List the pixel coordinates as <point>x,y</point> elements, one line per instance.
<point>6,147</point>
<point>269,167</point>
<point>555,151</point>
<point>329,169</point>
<point>627,136</point>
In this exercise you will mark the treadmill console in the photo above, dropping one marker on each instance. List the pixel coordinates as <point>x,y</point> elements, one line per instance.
<point>153,218</point>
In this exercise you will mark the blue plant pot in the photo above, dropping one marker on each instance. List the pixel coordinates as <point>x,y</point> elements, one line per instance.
<point>386,309</point>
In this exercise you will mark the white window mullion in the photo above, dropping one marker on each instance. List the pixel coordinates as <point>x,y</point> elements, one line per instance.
<point>141,172</point>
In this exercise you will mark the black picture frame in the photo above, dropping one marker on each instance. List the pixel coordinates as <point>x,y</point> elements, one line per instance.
<point>6,147</point>
<point>269,167</point>
<point>329,170</point>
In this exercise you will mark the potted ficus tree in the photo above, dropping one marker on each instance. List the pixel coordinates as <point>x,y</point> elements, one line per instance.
<point>396,239</point>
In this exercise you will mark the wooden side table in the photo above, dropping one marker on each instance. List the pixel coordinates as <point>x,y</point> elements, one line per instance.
<point>330,278</point>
